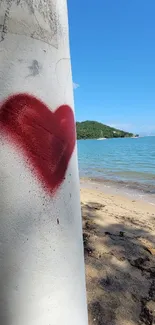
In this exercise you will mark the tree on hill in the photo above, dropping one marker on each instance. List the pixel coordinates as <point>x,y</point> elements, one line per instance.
<point>95,130</point>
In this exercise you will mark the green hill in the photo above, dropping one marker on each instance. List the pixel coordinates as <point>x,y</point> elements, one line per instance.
<point>95,130</point>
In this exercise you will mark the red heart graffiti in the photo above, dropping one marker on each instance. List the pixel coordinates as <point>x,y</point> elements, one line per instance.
<point>46,138</point>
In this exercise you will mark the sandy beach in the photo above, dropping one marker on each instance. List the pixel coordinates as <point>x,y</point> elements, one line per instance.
<point>119,245</point>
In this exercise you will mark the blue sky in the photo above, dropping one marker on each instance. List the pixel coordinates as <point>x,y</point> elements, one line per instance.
<point>113,62</point>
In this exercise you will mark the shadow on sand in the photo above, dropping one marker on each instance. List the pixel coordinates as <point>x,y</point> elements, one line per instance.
<point>120,270</point>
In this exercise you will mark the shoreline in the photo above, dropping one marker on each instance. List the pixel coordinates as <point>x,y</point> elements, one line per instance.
<point>130,190</point>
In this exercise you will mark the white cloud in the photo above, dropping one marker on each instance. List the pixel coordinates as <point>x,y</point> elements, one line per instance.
<point>147,129</point>
<point>121,126</point>
<point>143,129</point>
<point>75,85</point>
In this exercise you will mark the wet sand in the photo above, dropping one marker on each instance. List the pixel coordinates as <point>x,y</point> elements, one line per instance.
<point>119,245</point>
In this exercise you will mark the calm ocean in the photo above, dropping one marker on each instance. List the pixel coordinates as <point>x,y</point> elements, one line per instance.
<point>126,161</point>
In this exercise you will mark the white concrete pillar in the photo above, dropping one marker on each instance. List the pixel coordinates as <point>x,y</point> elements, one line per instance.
<point>41,256</point>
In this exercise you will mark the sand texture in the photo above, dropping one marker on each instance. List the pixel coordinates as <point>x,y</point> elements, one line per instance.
<point>119,245</point>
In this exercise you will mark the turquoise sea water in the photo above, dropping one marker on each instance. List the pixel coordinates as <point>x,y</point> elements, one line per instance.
<point>123,161</point>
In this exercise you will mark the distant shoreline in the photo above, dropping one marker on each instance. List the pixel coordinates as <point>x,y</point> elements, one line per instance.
<point>95,130</point>
<point>85,139</point>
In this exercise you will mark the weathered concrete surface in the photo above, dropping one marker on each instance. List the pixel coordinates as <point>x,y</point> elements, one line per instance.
<point>41,253</point>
